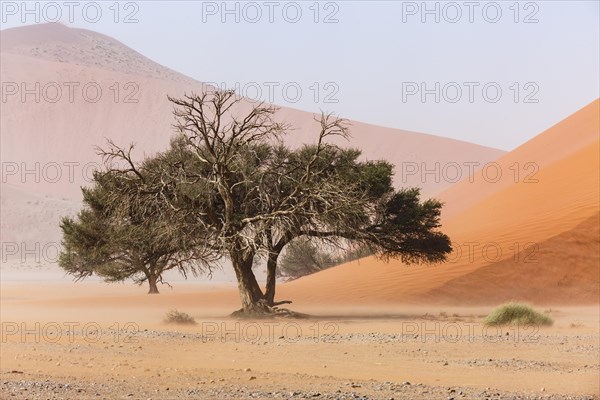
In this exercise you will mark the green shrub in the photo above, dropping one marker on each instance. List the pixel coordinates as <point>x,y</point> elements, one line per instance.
<point>517,314</point>
<point>176,317</point>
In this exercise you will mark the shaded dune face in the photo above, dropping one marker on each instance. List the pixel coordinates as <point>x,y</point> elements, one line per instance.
<point>562,269</point>
<point>534,240</point>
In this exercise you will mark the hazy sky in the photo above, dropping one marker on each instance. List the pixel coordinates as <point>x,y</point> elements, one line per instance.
<point>494,73</point>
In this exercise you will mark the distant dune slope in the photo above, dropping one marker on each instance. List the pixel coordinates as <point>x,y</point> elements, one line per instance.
<point>133,107</point>
<point>56,42</point>
<point>504,227</point>
<point>29,233</point>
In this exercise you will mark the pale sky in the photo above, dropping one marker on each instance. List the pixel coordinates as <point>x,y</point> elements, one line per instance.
<point>378,62</point>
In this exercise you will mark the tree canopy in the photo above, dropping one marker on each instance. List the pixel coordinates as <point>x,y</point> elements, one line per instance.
<point>229,187</point>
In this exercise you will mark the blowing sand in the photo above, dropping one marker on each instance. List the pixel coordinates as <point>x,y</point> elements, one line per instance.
<point>105,341</point>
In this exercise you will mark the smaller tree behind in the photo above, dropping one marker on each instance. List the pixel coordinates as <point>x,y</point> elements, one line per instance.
<point>303,257</point>
<point>112,238</point>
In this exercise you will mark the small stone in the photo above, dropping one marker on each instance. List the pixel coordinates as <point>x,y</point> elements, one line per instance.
<point>247,370</point>
<point>252,378</point>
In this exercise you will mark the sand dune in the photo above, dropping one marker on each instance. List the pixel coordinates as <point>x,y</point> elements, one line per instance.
<point>133,107</point>
<point>57,42</point>
<point>29,235</point>
<point>522,165</point>
<point>522,228</point>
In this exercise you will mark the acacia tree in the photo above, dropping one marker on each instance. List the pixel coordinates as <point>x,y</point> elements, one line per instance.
<point>228,175</point>
<point>119,243</point>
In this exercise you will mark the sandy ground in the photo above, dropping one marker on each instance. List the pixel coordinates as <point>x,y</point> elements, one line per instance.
<point>67,340</point>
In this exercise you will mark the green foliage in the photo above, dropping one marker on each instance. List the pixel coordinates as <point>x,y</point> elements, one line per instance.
<point>517,314</point>
<point>407,228</point>
<point>115,237</point>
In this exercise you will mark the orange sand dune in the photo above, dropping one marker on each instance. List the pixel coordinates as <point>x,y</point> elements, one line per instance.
<point>503,230</point>
<point>521,166</point>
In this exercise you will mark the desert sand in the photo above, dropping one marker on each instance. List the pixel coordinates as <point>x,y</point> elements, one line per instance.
<point>376,330</point>
<point>119,347</point>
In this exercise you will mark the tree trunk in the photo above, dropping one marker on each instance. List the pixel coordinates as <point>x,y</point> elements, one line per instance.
<point>251,296</point>
<point>275,250</point>
<point>152,279</point>
<point>271,278</point>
